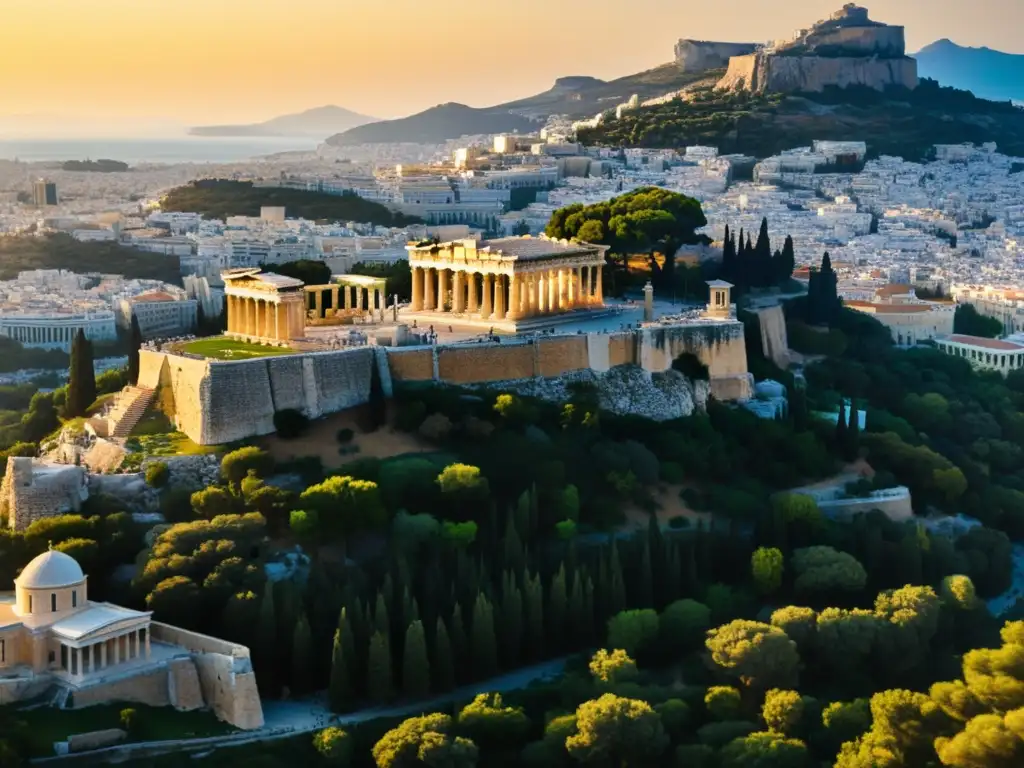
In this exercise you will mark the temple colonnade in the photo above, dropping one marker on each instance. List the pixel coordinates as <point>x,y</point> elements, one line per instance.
<point>103,654</point>
<point>265,318</point>
<point>503,295</point>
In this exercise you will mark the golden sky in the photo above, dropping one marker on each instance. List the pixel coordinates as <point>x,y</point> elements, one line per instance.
<point>210,61</point>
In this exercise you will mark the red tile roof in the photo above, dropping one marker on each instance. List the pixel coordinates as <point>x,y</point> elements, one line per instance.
<point>981,341</point>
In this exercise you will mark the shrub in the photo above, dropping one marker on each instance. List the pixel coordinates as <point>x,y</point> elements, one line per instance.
<point>345,435</point>
<point>722,702</point>
<point>435,428</point>
<point>290,423</point>
<point>410,416</point>
<point>157,474</point>
<point>129,720</point>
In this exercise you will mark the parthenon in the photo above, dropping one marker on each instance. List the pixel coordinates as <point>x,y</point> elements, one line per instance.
<point>264,306</point>
<point>506,281</point>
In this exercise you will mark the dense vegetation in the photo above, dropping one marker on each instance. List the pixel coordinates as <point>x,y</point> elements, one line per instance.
<point>969,321</point>
<point>96,166</point>
<point>220,198</point>
<point>61,251</point>
<point>901,122</point>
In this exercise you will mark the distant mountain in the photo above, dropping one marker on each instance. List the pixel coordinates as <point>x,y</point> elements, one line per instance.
<point>988,74</point>
<point>318,123</point>
<point>576,96</point>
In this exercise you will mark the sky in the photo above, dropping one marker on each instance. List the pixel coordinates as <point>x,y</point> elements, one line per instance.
<point>114,67</point>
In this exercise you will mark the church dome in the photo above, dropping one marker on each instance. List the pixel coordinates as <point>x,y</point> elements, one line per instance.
<point>51,570</point>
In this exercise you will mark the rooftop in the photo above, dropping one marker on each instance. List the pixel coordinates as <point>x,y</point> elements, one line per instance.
<point>95,617</point>
<point>154,296</point>
<point>527,247</point>
<point>50,569</point>
<point>888,308</point>
<point>981,341</point>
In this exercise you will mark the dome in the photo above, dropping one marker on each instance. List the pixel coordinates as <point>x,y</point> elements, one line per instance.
<point>50,570</point>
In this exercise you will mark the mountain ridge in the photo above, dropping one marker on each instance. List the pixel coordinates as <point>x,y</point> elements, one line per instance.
<point>986,72</point>
<point>318,122</point>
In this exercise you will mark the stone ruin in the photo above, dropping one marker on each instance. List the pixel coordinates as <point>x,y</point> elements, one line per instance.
<point>32,490</point>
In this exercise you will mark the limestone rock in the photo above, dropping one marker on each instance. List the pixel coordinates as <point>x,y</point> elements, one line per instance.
<point>765,73</point>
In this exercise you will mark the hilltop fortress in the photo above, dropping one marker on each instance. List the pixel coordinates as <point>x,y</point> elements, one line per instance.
<point>847,49</point>
<point>220,401</point>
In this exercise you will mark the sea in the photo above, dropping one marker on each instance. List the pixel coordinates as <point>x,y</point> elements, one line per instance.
<point>184,149</point>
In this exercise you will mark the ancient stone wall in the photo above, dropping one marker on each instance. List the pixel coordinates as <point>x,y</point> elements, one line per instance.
<point>411,363</point>
<point>150,689</point>
<point>83,742</point>
<point>767,73</point>
<point>702,55</point>
<point>32,490</point>
<point>225,675</point>
<point>183,685</point>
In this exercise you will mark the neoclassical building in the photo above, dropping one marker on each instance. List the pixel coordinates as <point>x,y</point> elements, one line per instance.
<point>264,306</point>
<point>50,625</point>
<point>505,281</point>
<point>55,642</point>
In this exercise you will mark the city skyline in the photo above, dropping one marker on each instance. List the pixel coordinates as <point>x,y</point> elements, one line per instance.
<point>157,68</point>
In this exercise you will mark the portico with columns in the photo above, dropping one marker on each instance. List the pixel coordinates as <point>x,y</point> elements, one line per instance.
<point>507,283</point>
<point>264,306</point>
<point>350,297</point>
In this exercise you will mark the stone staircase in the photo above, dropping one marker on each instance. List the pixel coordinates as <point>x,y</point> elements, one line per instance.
<point>129,407</point>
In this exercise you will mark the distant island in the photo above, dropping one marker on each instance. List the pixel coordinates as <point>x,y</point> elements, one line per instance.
<point>96,166</point>
<point>220,198</point>
<point>319,123</point>
<point>986,73</point>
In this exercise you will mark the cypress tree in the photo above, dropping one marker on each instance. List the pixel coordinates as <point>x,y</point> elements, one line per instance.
<point>788,261</point>
<point>728,256</point>
<point>381,619</point>
<point>460,643</point>
<point>558,600</point>
<point>841,426</point>
<point>645,579</point>
<point>852,433</point>
<point>134,345</point>
<point>444,665</point>
<point>266,642</point>
<point>302,655</point>
<point>379,680</point>
<point>484,645</point>
<point>415,664</point>
<point>513,546</point>
<point>617,592</point>
<point>82,377</point>
<point>533,617</point>
<point>586,634</point>
<point>577,611</point>
<point>339,687</point>
<point>511,621</point>
<point>763,255</point>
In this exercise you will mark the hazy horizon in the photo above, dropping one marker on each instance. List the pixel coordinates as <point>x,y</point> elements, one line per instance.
<point>122,68</point>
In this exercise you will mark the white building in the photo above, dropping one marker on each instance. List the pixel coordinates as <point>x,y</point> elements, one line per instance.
<point>159,314</point>
<point>986,354</point>
<point>56,330</point>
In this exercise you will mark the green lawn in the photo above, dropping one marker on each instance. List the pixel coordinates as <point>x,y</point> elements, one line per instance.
<point>222,348</point>
<point>47,725</point>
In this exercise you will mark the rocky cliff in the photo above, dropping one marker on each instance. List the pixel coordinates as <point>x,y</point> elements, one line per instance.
<point>702,55</point>
<point>767,73</point>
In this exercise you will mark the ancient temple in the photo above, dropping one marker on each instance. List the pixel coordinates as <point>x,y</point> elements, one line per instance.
<point>264,306</point>
<point>507,281</point>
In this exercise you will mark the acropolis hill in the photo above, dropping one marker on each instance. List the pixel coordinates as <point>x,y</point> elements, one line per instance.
<point>846,49</point>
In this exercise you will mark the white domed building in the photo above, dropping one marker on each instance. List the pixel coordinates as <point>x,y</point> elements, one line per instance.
<point>53,636</point>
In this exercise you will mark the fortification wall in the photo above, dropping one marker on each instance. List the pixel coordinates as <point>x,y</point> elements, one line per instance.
<point>764,73</point>
<point>884,40</point>
<point>32,491</point>
<point>150,689</point>
<point>701,55</point>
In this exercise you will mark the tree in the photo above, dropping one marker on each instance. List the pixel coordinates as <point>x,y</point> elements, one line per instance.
<point>157,474</point>
<point>615,731</point>
<point>82,380</point>
<point>302,652</point>
<point>785,263</point>
<point>266,642</point>
<point>490,724</point>
<point>633,631</point>
<point>766,568</point>
<point>821,569</point>
<point>729,257</point>
<point>424,740</point>
<point>722,702</point>
<point>464,490</point>
<point>969,322</point>
<point>762,258</point>
<point>846,720</point>
<point>334,746</point>
<point>134,345</point>
<point>822,295</point>
<point>760,655</point>
<point>235,466</point>
<point>443,664</point>
<point>484,643</point>
<point>212,501</point>
<point>379,680</point>
<point>345,505</point>
<point>782,711</point>
<point>173,600</point>
<point>799,623</point>
<point>987,740</point>
<point>415,665</point>
<point>684,624</point>
<point>612,668</point>
<point>340,688</point>
<point>764,750</point>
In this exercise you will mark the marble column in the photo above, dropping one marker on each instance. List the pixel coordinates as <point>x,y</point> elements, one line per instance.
<point>443,287</point>
<point>499,297</point>
<point>538,292</point>
<point>429,292</point>
<point>75,661</point>
<point>474,302</point>
<point>513,294</point>
<point>359,299</point>
<point>348,297</point>
<point>86,660</point>
<point>553,290</point>
<point>148,649</point>
<point>598,288</point>
<point>277,320</point>
<point>563,290</point>
<point>489,291</point>
<point>458,292</point>
<point>318,303</point>
<point>117,651</point>
<point>417,289</point>
<point>103,654</point>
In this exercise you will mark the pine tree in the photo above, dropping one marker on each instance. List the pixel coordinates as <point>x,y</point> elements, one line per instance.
<point>513,547</point>
<point>558,600</point>
<point>533,617</point>
<point>617,584</point>
<point>415,665</point>
<point>302,656</point>
<point>484,645</point>
<point>460,644</point>
<point>381,619</point>
<point>645,579</point>
<point>443,665</point>
<point>82,377</point>
<point>134,345</point>
<point>577,611</point>
<point>339,687</point>
<point>379,680</point>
